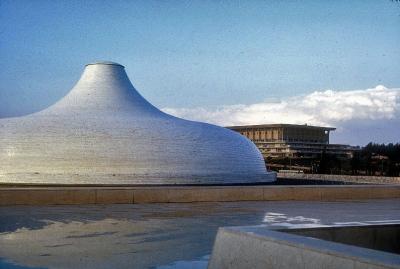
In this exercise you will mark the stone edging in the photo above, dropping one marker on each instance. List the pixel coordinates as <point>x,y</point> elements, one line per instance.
<point>129,195</point>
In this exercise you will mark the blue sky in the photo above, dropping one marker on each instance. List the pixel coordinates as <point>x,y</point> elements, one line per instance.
<point>199,54</point>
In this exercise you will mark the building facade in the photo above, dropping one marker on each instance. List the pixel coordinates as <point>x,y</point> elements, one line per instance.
<point>299,143</point>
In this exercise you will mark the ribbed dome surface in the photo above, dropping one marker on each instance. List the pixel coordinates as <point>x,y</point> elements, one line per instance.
<point>104,131</point>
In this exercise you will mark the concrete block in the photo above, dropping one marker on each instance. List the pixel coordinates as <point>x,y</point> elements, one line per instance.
<point>158,194</point>
<point>365,265</point>
<point>68,197</point>
<point>305,193</point>
<point>385,192</point>
<point>251,193</point>
<point>276,193</point>
<point>359,192</point>
<point>231,193</point>
<point>236,250</point>
<point>259,247</point>
<point>122,196</point>
<point>185,195</point>
<point>330,193</point>
<point>47,197</point>
<point>315,260</point>
<point>214,194</point>
<point>13,197</point>
<point>150,195</point>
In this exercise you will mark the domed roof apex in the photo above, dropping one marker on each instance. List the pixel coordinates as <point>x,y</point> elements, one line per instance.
<point>105,63</point>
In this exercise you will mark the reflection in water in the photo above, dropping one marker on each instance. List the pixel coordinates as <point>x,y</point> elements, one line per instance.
<point>288,221</point>
<point>159,236</point>
<point>9,265</point>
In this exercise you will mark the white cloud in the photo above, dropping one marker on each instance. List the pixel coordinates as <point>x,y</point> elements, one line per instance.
<point>326,108</point>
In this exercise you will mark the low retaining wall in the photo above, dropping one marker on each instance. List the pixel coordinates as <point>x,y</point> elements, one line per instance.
<point>128,195</point>
<point>342,178</point>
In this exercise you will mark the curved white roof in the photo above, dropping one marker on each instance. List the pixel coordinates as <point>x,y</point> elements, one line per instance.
<point>104,131</point>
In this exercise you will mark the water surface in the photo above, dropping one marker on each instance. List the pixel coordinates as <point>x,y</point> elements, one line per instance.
<point>162,236</point>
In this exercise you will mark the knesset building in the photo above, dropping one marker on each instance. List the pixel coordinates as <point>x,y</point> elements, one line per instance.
<point>104,131</point>
<point>301,142</point>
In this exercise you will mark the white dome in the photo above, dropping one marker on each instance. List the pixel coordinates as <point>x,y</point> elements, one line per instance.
<point>104,131</point>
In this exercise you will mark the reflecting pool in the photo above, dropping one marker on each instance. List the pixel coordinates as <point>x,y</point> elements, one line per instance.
<point>162,236</point>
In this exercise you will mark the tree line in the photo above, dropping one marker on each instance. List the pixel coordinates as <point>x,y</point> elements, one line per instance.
<point>373,160</point>
<point>377,159</point>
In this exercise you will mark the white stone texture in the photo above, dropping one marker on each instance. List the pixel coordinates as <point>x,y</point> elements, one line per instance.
<point>104,131</point>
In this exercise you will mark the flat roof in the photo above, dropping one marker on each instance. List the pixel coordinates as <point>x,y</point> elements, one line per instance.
<point>281,125</point>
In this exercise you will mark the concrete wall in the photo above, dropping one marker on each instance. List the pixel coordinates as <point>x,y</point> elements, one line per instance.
<point>343,178</point>
<point>257,247</point>
<point>48,195</point>
<point>378,237</point>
